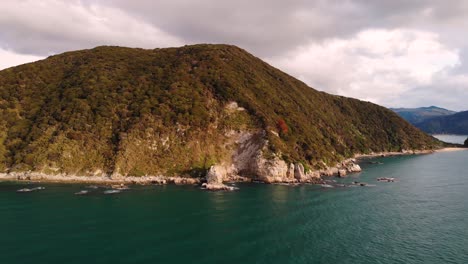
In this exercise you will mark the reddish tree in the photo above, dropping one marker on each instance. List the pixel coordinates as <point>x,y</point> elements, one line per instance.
<point>282,126</point>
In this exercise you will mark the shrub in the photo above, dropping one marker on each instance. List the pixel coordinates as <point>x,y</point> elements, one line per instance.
<point>282,126</point>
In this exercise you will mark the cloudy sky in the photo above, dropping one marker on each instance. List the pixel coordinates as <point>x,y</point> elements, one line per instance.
<point>396,53</point>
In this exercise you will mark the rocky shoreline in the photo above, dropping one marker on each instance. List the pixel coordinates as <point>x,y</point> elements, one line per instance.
<point>217,175</point>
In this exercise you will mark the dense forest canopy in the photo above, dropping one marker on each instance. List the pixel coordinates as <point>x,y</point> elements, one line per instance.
<point>164,111</point>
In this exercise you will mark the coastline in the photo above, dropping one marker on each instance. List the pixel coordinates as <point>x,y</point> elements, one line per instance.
<point>336,170</point>
<point>143,180</point>
<point>451,149</point>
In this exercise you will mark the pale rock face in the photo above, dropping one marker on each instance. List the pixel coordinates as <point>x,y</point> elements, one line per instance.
<point>299,172</point>
<point>216,174</point>
<point>290,173</point>
<point>248,154</point>
<point>271,170</point>
<point>354,168</point>
<point>342,173</point>
<point>313,175</point>
<point>329,172</point>
<point>249,160</point>
<point>233,106</point>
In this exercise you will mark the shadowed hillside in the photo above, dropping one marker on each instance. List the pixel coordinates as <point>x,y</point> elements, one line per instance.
<point>418,115</point>
<point>451,124</point>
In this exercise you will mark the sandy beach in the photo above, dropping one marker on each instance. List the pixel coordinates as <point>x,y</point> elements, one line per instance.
<point>450,149</point>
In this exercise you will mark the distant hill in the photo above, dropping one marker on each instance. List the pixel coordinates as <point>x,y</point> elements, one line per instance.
<point>417,115</point>
<point>450,124</point>
<point>133,112</point>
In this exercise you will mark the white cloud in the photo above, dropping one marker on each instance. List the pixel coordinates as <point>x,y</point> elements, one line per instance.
<point>51,26</point>
<point>9,59</point>
<point>378,65</point>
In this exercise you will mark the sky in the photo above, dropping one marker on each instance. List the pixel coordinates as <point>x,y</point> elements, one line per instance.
<point>396,53</point>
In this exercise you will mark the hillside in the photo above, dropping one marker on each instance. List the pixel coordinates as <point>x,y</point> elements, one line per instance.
<point>451,124</point>
<point>177,111</point>
<point>417,115</point>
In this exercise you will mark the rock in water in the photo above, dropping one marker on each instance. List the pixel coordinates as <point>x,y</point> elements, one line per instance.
<point>217,187</point>
<point>342,173</point>
<point>214,179</point>
<point>216,175</point>
<point>353,167</point>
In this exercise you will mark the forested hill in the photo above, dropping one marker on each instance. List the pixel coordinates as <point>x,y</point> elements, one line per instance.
<point>172,111</point>
<point>450,124</point>
<point>418,115</point>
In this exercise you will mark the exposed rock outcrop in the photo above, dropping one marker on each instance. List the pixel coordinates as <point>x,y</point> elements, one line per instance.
<point>342,173</point>
<point>353,167</point>
<point>299,173</point>
<point>215,177</point>
<point>216,174</point>
<point>329,171</point>
<point>271,170</point>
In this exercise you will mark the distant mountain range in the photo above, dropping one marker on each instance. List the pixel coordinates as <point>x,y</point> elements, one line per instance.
<point>436,120</point>
<point>450,124</point>
<point>418,115</point>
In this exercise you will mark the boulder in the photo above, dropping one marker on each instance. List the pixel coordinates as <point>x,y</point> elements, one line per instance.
<point>271,168</point>
<point>216,174</point>
<point>342,173</point>
<point>353,167</point>
<point>299,173</point>
<point>313,175</point>
<point>329,172</point>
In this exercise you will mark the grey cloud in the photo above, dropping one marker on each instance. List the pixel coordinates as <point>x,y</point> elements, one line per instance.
<point>264,27</point>
<point>50,26</point>
<point>441,94</point>
<point>270,29</point>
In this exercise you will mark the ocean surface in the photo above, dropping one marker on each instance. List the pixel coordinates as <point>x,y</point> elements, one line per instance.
<point>420,218</point>
<point>458,139</point>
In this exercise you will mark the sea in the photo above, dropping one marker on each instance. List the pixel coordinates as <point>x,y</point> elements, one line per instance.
<point>421,217</point>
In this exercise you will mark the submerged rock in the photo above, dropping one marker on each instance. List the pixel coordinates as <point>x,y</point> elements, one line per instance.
<point>24,190</point>
<point>112,191</point>
<point>386,179</point>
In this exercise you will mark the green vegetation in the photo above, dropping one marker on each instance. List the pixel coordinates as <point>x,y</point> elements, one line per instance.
<point>137,112</point>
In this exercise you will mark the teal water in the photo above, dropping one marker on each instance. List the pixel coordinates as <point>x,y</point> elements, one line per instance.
<point>421,218</point>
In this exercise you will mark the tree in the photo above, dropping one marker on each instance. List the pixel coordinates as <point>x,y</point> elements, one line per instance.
<point>466,143</point>
<point>282,126</point>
